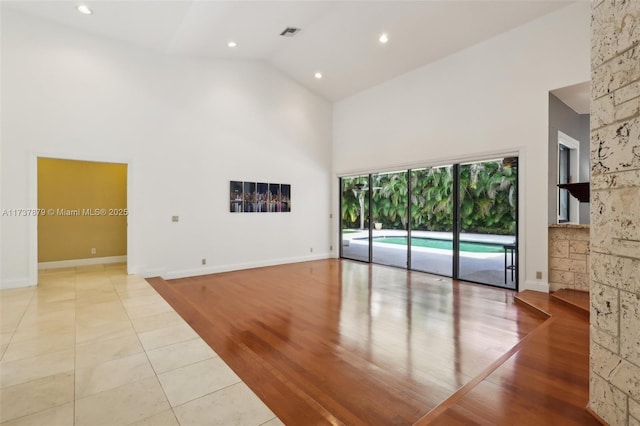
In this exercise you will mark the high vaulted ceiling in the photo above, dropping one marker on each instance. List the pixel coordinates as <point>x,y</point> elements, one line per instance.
<point>338,38</point>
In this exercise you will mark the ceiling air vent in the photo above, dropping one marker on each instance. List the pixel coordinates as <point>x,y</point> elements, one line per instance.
<point>290,32</point>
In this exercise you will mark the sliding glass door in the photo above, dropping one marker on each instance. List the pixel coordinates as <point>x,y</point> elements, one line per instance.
<point>389,213</point>
<point>487,211</point>
<point>432,220</point>
<point>355,230</point>
<point>456,220</point>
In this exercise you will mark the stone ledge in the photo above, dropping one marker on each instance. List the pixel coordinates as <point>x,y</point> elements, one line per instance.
<point>569,226</point>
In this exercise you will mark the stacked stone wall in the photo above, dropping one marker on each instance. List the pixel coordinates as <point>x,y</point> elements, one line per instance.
<point>615,212</point>
<point>569,257</point>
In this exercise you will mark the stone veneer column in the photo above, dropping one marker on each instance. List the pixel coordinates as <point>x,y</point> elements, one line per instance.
<point>569,257</point>
<point>614,391</point>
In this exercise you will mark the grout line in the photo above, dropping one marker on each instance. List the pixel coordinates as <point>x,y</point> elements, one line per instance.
<point>271,419</point>
<point>27,306</point>
<point>616,56</point>
<point>145,349</point>
<point>146,352</point>
<point>295,389</point>
<point>212,392</point>
<point>14,419</point>
<point>13,333</point>
<point>109,278</point>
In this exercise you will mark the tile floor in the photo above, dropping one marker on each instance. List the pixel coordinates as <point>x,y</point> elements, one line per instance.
<point>94,346</point>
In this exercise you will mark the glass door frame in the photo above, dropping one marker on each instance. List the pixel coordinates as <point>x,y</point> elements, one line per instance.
<point>369,217</point>
<point>457,225</point>
<point>514,160</point>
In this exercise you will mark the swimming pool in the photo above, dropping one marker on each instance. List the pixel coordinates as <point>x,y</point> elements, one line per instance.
<point>468,246</point>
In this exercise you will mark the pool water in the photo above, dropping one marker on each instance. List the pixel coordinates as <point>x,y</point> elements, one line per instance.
<point>467,246</point>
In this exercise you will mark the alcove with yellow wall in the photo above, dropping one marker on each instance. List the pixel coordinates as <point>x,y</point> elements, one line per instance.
<point>83,210</point>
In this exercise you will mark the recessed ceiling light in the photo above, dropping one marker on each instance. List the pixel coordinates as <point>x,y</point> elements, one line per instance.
<point>84,9</point>
<point>318,75</point>
<point>232,44</point>
<point>384,38</point>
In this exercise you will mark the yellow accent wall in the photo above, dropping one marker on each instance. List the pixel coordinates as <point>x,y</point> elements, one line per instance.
<point>84,205</point>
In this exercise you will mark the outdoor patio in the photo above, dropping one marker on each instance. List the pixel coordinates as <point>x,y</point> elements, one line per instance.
<point>488,268</point>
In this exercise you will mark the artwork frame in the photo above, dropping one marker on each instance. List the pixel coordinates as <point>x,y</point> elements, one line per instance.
<point>259,197</point>
<point>236,196</point>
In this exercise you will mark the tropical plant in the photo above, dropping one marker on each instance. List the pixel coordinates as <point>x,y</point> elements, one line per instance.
<point>432,199</point>
<point>390,200</point>
<point>487,199</point>
<point>355,202</point>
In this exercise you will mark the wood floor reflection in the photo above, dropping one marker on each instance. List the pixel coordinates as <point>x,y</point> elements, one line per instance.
<point>341,342</point>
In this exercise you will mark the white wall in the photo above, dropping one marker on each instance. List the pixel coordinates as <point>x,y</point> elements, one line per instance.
<point>185,126</point>
<point>490,98</point>
<point>564,119</point>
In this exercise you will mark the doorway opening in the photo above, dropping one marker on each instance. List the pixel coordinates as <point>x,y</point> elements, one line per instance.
<point>84,215</point>
<point>568,172</point>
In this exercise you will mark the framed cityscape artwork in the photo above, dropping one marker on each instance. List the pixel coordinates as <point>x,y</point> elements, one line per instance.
<point>259,197</point>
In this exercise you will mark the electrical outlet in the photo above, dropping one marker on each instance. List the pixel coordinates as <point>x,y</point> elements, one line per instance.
<point>175,218</point>
<point>204,261</point>
<point>538,275</point>
<point>93,250</point>
<point>311,250</point>
<point>330,248</point>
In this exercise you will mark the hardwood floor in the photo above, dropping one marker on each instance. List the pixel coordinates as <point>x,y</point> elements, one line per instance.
<point>341,342</point>
<point>545,382</point>
<point>576,299</point>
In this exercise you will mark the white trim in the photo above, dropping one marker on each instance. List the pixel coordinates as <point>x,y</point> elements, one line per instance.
<point>90,158</point>
<point>239,266</point>
<point>574,160</point>
<point>32,251</point>
<point>16,283</point>
<point>540,286</point>
<point>437,162</point>
<point>522,217</point>
<point>568,141</point>
<point>82,262</point>
<point>150,273</point>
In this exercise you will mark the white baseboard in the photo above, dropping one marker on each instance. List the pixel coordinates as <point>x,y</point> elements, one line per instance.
<point>540,286</point>
<point>148,273</point>
<point>82,262</point>
<point>16,283</point>
<point>170,275</point>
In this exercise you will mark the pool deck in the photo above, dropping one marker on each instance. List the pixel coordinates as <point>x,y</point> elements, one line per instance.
<point>478,267</point>
<point>475,238</point>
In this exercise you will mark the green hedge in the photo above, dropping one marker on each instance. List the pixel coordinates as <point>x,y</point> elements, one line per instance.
<point>487,199</point>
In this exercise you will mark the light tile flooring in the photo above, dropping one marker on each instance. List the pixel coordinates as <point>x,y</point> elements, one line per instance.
<point>94,346</point>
